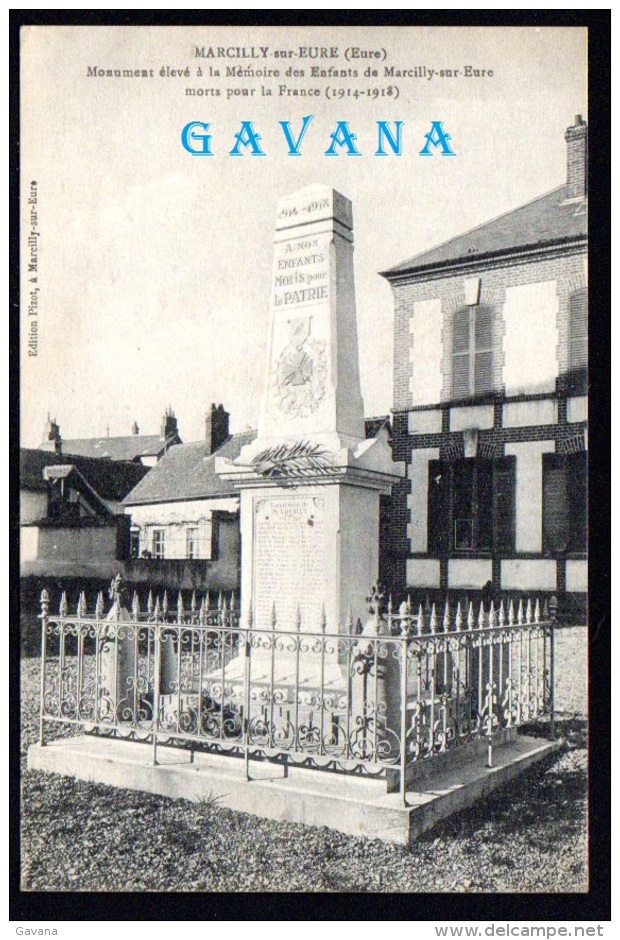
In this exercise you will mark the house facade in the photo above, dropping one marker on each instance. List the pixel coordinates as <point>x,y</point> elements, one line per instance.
<point>184,519</point>
<point>72,521</point>
<point>490,402</point>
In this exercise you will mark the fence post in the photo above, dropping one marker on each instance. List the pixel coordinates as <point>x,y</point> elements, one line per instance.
<point>156,684</point>
<point>45,606</point>
<point>404,646</point>
<point>553,614</point>
<point>246,697</point>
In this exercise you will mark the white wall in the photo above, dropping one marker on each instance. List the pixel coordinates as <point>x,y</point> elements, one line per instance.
<point>28,543</point>
<point>425,352</point>
<point>32,506</point>
<point>176,518</point>
<point>531,338</point>
<point>529,574</point>
<point>417,501</point>
<point>529,495</point>
<point>469,572</point>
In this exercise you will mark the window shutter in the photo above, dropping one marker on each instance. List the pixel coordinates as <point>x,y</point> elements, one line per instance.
<point>577,487</point>
<point>555,504</point>
<point>438,506</point>
<point>579,330</point>
<point>483,338</point>
<point>484,496</point>
<point>504,484</point>
<point>461,353</point>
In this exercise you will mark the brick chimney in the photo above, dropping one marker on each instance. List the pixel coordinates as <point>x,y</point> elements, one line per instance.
<point>576,138</point>
<point>169,427</point>
<point>216,428</point>
<point>52,433</point>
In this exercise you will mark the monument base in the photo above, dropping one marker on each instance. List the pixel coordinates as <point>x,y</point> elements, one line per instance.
<point>357,806</point>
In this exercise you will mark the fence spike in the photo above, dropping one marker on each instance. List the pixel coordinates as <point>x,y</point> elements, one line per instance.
<point>149,603</point>
<point>207,601</point>
<point>502,615</point>
<point>528,611</point>
<point>458,619</point>
<point>192,603</point>
<point>202,619</point>
<point>520,612</point>
<point>78,608</point>
<point>274,618</point>
<point>349,620</point>
<point>433,620</point>
<point>298,619</point>
<point>420,621</point>
<point>164,606</point>
<point>446,617</point>
<point>224,606</point>
<point>537,611</point>
<point>233,603</point>
<point>219,601</point>
<point>409,607</point>
<point>135,606</point>
<point>545,610</point>
<point>470,617</point>
<point>511,613</point>
<point>99,606</point>
<point>156,611</point>
<point>492,621</point>
<point>63,606</point>
<point>481,617</point>
<point>323,619</point>
<point>45,603</point>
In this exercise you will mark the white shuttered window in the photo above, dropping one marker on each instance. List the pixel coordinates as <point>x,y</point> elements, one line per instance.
<point>472,351</point>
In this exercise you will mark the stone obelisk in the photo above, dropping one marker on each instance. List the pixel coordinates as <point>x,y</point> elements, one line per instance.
<point>310,482</point>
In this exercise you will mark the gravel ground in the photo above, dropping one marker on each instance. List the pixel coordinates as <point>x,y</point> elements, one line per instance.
<point>527,837</point>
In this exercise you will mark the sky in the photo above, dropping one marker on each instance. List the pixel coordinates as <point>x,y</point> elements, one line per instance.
<point>154,266</point>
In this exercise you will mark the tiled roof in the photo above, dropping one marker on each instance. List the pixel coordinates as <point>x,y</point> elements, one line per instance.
<point>111,480</point>
<point>131,447</point>
<point>547,220</point>
<point>185,473</point>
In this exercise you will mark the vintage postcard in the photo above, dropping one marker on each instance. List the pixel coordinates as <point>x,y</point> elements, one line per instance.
<point>304,401</point>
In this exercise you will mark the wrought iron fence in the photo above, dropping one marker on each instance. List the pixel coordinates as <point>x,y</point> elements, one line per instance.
<point>404,688</point>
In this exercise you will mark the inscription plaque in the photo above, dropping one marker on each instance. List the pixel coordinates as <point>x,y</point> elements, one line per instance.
<point>289,560</point>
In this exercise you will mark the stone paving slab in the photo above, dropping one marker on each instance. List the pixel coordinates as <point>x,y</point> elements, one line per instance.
<point>358,806</point>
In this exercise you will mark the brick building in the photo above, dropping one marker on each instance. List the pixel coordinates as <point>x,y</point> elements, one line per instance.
<point>490,402</point>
